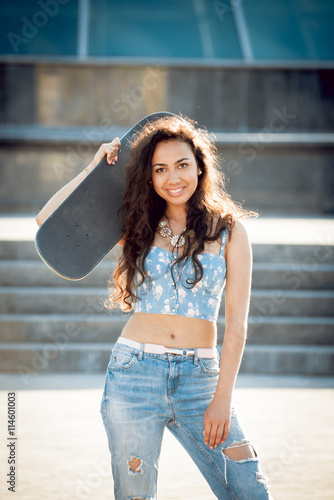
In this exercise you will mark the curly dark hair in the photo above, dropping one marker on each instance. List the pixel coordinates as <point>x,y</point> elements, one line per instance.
<point>210,208</point>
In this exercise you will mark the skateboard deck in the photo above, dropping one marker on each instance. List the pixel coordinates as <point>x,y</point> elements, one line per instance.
<point>85,226</point>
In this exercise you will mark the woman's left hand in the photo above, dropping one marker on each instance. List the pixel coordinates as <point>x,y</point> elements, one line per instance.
<point>217,420</point>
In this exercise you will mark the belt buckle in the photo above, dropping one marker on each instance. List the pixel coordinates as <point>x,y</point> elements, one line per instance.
<point>180,352</point>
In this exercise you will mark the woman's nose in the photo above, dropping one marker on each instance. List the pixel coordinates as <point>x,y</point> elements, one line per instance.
<point>173,176</point>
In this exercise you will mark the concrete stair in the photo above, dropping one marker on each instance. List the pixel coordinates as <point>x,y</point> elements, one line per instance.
<point>274,133</point>
<point>49,324</point>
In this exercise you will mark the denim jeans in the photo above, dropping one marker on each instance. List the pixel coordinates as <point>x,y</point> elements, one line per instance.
<point>143,394</point>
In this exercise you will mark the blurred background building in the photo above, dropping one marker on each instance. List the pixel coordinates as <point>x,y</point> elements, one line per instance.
<point>257,74</point>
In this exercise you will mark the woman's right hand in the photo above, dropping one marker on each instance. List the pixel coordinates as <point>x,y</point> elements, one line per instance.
<point>110,149</point>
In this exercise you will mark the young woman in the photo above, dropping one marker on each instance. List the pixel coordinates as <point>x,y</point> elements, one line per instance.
<point>182,243</point>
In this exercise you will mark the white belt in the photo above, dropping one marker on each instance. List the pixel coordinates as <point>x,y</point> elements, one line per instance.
<point>202,352</point>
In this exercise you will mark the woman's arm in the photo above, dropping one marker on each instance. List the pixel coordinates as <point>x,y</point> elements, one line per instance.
<point>237,296</point>
<point>109,149</point>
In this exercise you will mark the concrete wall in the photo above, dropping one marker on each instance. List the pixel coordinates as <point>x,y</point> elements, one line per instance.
<point>54,94</point>
<point>274,126</point>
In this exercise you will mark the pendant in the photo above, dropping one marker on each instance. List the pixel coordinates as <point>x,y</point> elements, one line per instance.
<point>177,241</point>
<point>165,231</point>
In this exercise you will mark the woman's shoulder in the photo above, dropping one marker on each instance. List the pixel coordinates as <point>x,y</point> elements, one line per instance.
<point>239,228</point>
<point>239,239</point>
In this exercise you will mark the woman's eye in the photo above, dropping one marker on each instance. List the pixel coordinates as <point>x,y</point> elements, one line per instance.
<point>183,165</point>
<point>158,170</point>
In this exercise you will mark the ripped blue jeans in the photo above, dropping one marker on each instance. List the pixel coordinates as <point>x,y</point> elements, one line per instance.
<point>143,394</point>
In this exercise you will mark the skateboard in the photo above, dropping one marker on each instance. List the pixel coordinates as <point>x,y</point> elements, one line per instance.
<point>85,226</point>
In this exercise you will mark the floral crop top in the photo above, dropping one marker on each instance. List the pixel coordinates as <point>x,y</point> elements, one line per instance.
<point>163,297</point>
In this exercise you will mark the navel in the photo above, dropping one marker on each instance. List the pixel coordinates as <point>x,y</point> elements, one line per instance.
<point>173,335</point>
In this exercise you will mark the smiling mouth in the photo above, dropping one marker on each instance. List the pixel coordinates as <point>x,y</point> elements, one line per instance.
<point>175,192</point>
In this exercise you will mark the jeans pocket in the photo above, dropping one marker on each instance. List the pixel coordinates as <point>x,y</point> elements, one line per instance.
<point>121,360</point>
<point>209,366</point>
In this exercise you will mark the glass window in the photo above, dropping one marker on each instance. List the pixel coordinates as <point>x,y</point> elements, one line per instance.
<point>40,28</point>
<point>278,29</point>
<point>290,29</point>
<point>157,28</point>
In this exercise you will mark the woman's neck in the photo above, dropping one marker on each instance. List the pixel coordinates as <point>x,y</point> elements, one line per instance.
<point>177,215</point>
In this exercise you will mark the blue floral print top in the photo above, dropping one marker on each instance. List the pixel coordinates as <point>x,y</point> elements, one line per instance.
<point>163,297</point>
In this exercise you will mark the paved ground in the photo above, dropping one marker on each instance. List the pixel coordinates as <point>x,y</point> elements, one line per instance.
<point>62,453</point>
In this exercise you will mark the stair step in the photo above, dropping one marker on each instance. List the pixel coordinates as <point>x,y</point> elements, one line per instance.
<point>61,328</point>
<point>70,328</point>
<point>289,330</point>
<point>293,276</point>
<point>29,359</point>
<point>289,360</point>
<point>266,181</point>
<point>41,135</point>
<point>292,303</point>
<point>265,275</point>
<point>36,273</point>
<point>321,252</point>
<point>43,300</point>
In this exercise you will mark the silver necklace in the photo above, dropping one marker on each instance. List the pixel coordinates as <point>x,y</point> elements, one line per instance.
<point>176,240</point>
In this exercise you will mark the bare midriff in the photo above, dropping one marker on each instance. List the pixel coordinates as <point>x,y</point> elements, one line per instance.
<point>170,331</point>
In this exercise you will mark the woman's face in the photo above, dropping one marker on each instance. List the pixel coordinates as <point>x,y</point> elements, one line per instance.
<point>174,171</point>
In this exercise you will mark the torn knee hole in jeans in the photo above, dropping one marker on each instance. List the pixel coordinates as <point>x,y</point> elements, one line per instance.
<point>135,465</point>
<point>241,451</point>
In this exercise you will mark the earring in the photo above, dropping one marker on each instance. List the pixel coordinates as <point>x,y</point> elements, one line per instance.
<point>200,172</point>
<point>150,182</point>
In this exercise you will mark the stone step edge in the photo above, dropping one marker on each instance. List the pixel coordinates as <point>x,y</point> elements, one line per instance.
<point>119,318</point>
<point>184,62</point>
<point>63,328</point>
<point>41,135</point>
<point>100,291</point>
<point>314,253</point>
<point>257,244</point>
<point>88,358</point>
<point>101,346</point>
<point>257,266</point>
